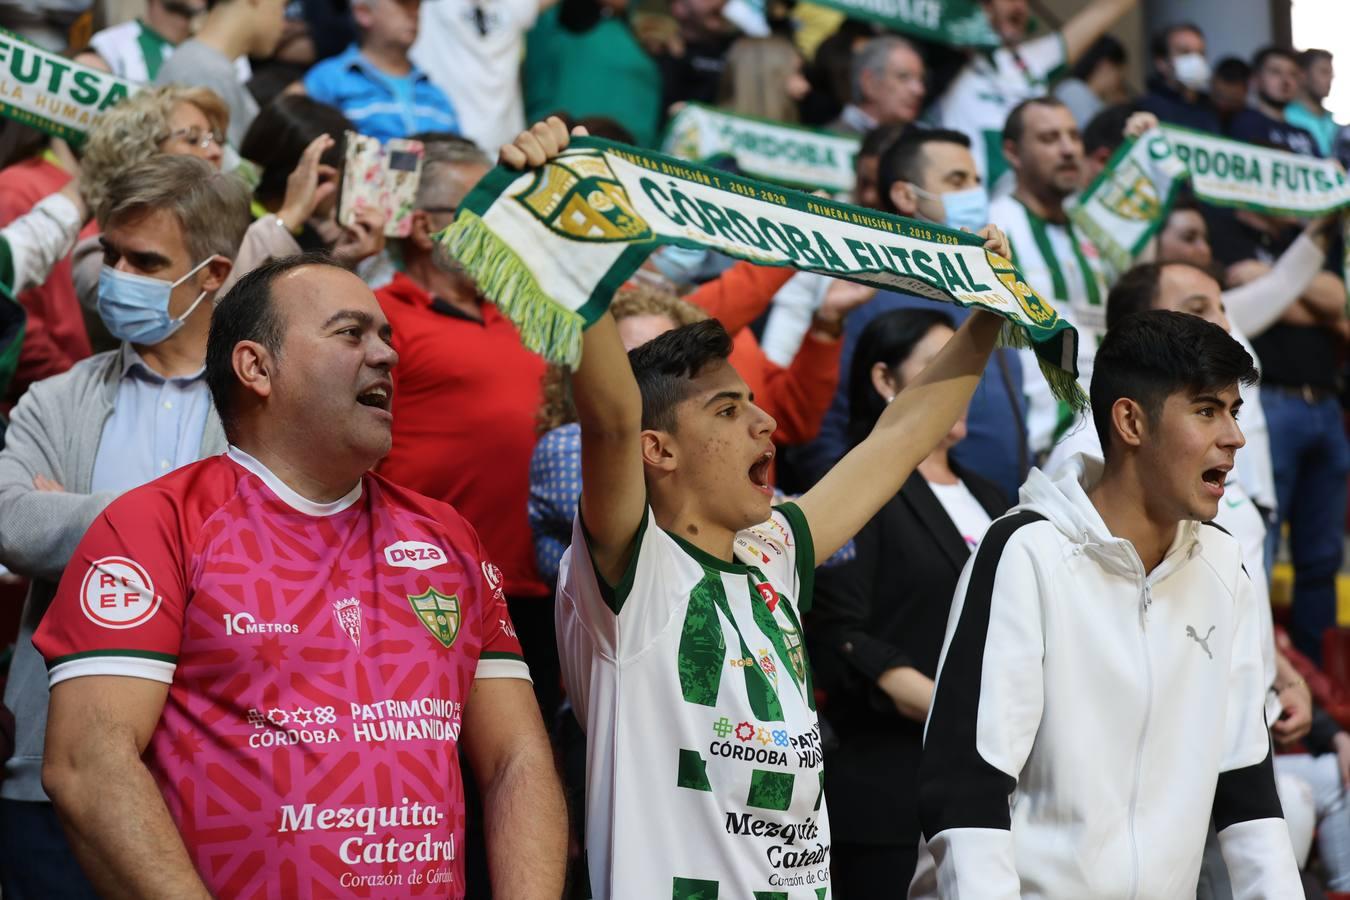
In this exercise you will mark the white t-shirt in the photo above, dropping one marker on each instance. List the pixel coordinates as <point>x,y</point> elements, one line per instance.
<point>964,510</point>
<point>703,761</point>
<point>1066,271</point>
<point>978,101</point>
<point>471,50</point>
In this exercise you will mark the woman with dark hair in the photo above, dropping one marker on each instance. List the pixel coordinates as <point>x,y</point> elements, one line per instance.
<point>878,622</point>
<point>296,143</point>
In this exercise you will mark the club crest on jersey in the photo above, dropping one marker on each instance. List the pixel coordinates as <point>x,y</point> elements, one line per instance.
<point>439,613</point>
<point>796,653</point>
<point>348,615</point>
<point>117,593</point>
<point>414,555</point>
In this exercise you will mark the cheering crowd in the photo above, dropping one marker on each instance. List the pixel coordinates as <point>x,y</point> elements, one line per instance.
<point>792,589</point>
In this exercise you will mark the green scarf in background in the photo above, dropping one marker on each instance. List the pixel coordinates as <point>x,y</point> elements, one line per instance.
<point>551,246</point>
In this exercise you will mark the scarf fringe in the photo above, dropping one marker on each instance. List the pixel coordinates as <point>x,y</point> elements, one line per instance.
<point>546,327</point>
<point>1063,384</point>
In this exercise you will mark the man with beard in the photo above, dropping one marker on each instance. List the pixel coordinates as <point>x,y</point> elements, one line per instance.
<point>1275,82</point>
<point>1042,145</point>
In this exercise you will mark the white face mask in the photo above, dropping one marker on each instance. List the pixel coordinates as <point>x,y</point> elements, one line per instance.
<point>1192,70</point>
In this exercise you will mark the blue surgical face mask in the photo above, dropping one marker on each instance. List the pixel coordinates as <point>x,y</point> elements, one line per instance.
<point>965,209</point>
<point>136,307</point>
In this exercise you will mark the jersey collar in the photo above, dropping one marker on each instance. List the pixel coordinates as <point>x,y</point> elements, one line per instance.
<point>288,496</point>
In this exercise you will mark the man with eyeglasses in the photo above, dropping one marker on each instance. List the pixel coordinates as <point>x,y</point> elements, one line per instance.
<point>465,400</point>
<point>887,75</point>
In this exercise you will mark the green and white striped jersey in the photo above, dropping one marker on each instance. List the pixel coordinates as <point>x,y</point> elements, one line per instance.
<point>979,99</point>
<point>704,768</point>
<point>1065,269</point>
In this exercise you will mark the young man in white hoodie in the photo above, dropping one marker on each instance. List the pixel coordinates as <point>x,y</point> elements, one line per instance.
<point>1101,690</point>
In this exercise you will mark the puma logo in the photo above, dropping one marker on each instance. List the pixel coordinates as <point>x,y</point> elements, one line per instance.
<point>1202,641</point>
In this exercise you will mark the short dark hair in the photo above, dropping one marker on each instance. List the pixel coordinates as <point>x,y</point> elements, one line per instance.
<point>889,339</point>
<point>877,140</point>
<point>1137,290</point>
<point>1150,355</point>
<point>1105,49</point>
<point>666,366</point>
<point>1016,124</point>
<point>247,313</point>
<point>279,135</point>
<point>1310,57</point>
<point>1160,46</point>
<point>1232,70</point>
<point>1273,51</point>
<point>904,160</point>
<point>1107,128</point>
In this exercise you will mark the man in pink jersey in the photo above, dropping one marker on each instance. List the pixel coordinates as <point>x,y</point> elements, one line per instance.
<point>262,664</point>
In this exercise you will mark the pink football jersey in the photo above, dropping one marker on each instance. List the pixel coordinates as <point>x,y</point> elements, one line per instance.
<point>319,657</point>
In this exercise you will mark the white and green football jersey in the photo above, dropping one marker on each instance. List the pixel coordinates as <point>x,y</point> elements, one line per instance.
<point>994,81</point>
<point>704,770</point>
<point>1065,269</point>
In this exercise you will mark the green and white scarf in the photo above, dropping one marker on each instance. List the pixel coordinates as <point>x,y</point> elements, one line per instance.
<point>796,157</point>
<point>52,93</point>
<point>1129,201</point>
<point>956,23</point>
<point>550,246</point>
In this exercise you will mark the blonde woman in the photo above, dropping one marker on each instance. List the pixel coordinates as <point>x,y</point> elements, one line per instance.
<point>763,78</point>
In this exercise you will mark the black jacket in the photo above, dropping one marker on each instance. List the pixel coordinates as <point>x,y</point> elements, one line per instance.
<point>886,608</point>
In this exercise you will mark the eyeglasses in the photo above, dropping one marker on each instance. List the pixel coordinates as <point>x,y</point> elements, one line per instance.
<point>196,137</point>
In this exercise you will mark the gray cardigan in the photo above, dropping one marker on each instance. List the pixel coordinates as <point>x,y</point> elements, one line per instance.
<point>54,431</point>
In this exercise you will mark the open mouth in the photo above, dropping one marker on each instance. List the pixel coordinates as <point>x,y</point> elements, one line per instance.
<point>377,396</point>
<point>759,472</point>
<point>1215,478</point>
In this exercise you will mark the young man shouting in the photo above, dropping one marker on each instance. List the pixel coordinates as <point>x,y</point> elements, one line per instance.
<point>680,601</point>
<point>1101,689</point>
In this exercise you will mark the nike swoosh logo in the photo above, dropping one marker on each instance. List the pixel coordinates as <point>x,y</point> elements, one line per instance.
<point>1234,504</point>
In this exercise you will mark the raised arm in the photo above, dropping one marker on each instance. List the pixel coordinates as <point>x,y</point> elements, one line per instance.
<point>872,472</point>
<point>98,726</point>
<point>37,240</point>
<point>525,817</point>
<point>609,407</point>
<point>1090,23</point>
<point>741,294</point>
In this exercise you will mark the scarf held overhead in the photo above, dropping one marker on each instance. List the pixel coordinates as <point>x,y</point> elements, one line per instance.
<point>1129,201</point>
<point>786,154</point>
<point>550,246</point>
<point>51,93</point>
<point>956,23</point>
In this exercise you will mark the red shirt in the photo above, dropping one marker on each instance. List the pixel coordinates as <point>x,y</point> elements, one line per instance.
<point>318,658</point>
<point>466,397</point>
<point>55,338</point>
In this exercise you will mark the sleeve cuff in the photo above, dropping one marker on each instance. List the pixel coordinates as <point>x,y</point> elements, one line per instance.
<point>503,667</point>
<point>123,666</point>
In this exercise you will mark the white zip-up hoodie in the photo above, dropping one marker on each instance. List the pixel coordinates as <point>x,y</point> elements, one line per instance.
<point>1088,719</point>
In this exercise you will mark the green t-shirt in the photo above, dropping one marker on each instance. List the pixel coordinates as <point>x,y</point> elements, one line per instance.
<point>600,72</point>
